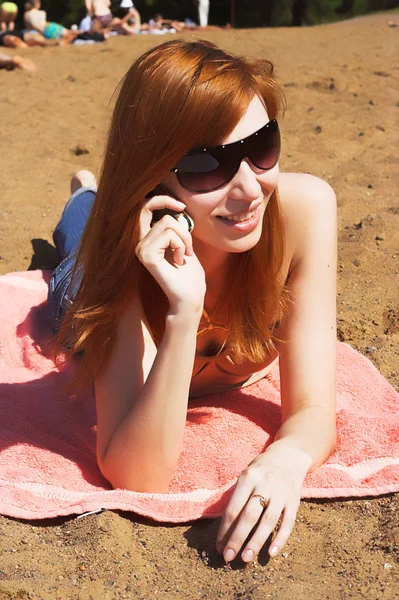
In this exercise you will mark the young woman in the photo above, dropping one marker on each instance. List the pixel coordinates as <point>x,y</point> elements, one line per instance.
<point>100,12</point>
<point>35,20</point>
<point>127,20</point>
<point>160,314</point>
<point>8,14</point>
<point>22,39</point>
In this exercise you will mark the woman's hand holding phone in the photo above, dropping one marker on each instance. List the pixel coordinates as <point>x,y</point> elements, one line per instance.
<point>166,250</point>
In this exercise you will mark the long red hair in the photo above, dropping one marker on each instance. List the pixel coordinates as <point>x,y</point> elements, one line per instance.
<point>176,96</point>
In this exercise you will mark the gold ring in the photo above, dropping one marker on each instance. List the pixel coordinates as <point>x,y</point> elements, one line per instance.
<point>262,500</point>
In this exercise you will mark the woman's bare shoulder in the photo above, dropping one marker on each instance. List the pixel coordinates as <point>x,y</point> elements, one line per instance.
<point>302,190</point>
<point>307,202</point>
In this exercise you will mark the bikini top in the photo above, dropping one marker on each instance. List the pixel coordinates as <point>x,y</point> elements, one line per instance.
<point>214,368</point>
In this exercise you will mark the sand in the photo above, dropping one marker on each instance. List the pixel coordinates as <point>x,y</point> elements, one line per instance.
<point>341,83</point>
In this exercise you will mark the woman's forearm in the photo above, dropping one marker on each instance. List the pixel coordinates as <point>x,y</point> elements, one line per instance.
<point>146,445</point>
<point>311,430</point>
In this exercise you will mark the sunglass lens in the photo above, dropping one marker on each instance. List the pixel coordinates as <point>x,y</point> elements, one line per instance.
<point>265,149</point>
<point>203,172</point>
<point>198,162</point>
<point>201,182</point>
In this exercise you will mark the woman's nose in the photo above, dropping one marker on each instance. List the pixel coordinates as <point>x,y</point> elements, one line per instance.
<point>245,183</point>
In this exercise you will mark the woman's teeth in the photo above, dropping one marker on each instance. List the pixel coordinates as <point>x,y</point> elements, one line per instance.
<point>239,218</point>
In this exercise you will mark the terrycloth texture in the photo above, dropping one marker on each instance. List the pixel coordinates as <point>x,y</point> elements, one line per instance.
<point>47,441</point>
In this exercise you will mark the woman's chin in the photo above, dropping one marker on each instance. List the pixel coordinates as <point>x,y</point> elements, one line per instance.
<point>239,245</point>
<point>243,246</point>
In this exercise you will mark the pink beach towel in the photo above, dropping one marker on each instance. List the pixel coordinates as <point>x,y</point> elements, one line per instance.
<point>47,441</point>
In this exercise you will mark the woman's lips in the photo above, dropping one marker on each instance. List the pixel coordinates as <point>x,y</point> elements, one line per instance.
<point>246,225</point>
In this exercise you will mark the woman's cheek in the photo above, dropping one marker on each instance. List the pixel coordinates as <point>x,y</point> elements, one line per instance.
<point>202,206</point>
<point>269,180</point>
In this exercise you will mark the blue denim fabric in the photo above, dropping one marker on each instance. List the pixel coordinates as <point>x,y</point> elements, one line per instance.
<point>66,238</point>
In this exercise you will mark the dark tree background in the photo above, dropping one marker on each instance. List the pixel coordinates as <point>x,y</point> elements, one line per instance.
<point>240,13</point>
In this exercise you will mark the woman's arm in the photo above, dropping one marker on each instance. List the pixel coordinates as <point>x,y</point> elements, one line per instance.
<point>307,372</point>
<point>142,396</point>
<point>142,401</point>
<point>308,353</point>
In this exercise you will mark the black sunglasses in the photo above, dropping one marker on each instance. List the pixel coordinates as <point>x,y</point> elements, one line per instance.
<point>204,170</point>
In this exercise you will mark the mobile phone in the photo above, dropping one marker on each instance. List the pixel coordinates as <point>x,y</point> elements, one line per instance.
<point>182,217</point>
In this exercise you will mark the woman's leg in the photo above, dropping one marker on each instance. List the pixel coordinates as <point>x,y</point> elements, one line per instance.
<point>73,220</point>
<point>66,236</point>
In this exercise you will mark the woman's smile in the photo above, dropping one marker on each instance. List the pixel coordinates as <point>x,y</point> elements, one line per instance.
<point>244,222</point>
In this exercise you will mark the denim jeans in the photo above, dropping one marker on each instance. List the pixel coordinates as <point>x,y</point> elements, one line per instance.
<point>66,238</point>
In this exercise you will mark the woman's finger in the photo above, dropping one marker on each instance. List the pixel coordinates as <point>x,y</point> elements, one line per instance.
<point>267,523</point>
<point>157,203</point>
<point>178,249</point>
<point>151,254</point>
<point>242,491</point>
<point>167,223</point>
<point>163,201</point>
<point>285,529</point>
<point>243,525</point>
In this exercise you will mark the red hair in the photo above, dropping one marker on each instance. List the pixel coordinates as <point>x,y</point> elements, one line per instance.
<point>176,96</point>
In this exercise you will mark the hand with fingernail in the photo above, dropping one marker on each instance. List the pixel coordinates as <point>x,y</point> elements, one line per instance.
<point>166,250</point>
<point>267,491</point>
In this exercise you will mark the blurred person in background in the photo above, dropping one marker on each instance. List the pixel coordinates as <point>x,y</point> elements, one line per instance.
<point>127,20</point>
<point>22,39</point>
<point>100,13</point>
<point>35,19</point>
<point>203,12</point>
<point>8,14</point>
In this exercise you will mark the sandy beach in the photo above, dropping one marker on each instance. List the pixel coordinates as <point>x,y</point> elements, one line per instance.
<point>341,85</point>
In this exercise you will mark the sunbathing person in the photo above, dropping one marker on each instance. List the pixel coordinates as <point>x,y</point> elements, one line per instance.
<point>158,22</point>
<point>12,39</point>
<point>22,39</point>
<point>127,20</point>
<point>100,13</point>
<point>195,268</point>
<point>161,23</point>
<point>8,14</point>
<point>35,19</point>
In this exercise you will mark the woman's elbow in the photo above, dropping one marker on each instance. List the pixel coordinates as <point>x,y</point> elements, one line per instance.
<point>134,479</point>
